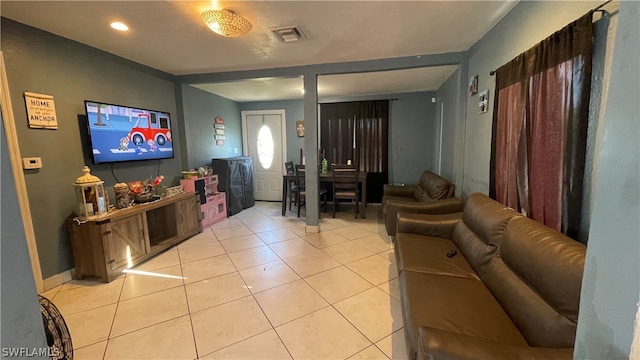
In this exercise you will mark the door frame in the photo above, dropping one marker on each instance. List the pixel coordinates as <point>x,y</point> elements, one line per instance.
<point>18,176</point>
<point>245,149</point>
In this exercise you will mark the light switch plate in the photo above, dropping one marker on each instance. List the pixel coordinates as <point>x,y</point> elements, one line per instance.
<point>32,163</point>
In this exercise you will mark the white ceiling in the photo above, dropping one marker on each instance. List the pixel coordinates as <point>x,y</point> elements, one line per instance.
<point>170,36</point>
<point>371,83</point>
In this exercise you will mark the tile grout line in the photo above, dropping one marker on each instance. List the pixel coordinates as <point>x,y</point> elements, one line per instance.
<point>261,309</point>
<point>113,321</point>
<point>265,315</point>
<point>329,304</point>
<point>180,263</point>
<point>184,287</point>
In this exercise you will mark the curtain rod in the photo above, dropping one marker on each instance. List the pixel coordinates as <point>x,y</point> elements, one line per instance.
<point>597,8</point>
<point>337,102</point>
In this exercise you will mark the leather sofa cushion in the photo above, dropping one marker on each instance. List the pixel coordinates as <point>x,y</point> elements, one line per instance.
<point>455,304</point>
<point>550,262</point>
<point>396,198</point>
<point>481,229</point>
<point>428,254</point>
<point>487,218</point>
<point>537,278</point>
<point>436,186</point>
<point>440,344</point>
<point>421,196</point>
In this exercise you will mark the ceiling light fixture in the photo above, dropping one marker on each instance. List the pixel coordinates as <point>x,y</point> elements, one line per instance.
<point>119,26</point>
<point>226,22</point>
<point>302,91</point>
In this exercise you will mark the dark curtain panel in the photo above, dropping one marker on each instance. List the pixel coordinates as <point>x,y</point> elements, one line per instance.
<point>540,128</point>
<point>358,131</point>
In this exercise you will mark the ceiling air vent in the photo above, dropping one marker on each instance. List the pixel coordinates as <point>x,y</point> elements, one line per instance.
<point>288,33</point>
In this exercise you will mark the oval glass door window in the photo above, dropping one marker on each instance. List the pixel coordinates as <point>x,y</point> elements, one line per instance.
<point>265,147</point>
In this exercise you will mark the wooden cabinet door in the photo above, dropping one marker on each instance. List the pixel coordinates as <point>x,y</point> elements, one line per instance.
<point>188,215</point>
<point>125,241</point>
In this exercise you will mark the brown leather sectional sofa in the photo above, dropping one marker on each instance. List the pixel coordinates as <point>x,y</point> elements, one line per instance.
<point>487,283</point>
<point>432,195</point>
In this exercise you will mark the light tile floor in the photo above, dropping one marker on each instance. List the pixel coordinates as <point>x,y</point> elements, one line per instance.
<point>253,286</point>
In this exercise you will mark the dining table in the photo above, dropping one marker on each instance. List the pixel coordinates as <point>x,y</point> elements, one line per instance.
<point>326,177</point>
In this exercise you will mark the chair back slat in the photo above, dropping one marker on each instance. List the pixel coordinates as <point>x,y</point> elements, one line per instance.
<point>300,172</point>
<point>345,184</point>
<point>290,169</point>
<point>301,194</point>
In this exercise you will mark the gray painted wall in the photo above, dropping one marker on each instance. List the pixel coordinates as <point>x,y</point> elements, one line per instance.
<point>310,74</point>
<point>605,33</point>
<point>412,133</point>
<point>200,110</point>
<point>412,130</point>
<point>412,136</point>
<point>527,24</point>
<point>293,111</point>
<point>610,286</point>
<point>21,319</point>
<point>41,62</point>
<point>447,100</point>
<point>73,72</point>
<point>611,282</point>
<point>517,32</point>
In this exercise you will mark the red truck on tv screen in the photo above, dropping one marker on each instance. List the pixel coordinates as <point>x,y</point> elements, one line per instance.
<point>150,127</point>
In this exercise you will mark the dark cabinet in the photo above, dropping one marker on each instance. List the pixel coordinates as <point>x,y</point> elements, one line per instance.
<point>235,176</point>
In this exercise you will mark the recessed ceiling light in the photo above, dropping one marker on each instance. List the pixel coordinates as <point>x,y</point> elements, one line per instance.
<point>119,26</point>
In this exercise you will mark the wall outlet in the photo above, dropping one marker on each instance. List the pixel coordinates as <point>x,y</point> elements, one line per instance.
<point>32,163</point>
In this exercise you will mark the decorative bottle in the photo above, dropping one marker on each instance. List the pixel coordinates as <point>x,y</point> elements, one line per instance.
<point>325,164</point>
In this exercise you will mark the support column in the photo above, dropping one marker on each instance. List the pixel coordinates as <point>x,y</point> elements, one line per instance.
<point>311,147</point>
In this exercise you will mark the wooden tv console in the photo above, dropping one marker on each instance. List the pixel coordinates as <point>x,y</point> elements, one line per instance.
<point>105,246</point>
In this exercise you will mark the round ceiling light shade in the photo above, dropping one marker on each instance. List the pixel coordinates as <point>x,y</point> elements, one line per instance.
<point>226,22</point>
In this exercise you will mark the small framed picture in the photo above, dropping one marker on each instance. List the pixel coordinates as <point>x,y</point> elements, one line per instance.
<point>483,101</point>
<point>219,131</point>
<point>473,85</point>
<point>300,128</point>
<point>218,126</point>
<point>218,120</point>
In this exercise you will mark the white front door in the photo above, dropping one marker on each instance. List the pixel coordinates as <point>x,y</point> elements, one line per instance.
<point>265,141</point>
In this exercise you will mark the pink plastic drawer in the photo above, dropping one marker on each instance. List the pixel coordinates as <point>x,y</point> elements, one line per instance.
<point>220,203</point>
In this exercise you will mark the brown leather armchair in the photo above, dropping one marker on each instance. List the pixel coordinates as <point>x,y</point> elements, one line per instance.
<point>432,195</point>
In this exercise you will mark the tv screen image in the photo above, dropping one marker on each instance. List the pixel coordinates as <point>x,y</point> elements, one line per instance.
<point>123,133</point>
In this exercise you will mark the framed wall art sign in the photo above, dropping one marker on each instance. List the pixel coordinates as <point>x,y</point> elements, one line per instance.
<point>473,85</point>
<point>41,111</point>
<point>483,101</point>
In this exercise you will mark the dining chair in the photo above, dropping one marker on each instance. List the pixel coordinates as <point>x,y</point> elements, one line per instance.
<point>292,185</point>
<point>301,194</point>
<point>345,185</point>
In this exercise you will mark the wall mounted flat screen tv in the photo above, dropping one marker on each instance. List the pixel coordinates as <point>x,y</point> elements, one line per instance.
<point>123,133</point>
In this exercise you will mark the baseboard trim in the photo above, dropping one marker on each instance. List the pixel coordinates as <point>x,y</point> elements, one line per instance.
<point>58,279</point>
<point>312,229</point>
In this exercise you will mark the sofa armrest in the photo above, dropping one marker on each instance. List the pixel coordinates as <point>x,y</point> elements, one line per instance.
<point>393,207</point>
<point>395,190</point>
<point>441,344</point>
<point>440,225</point>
